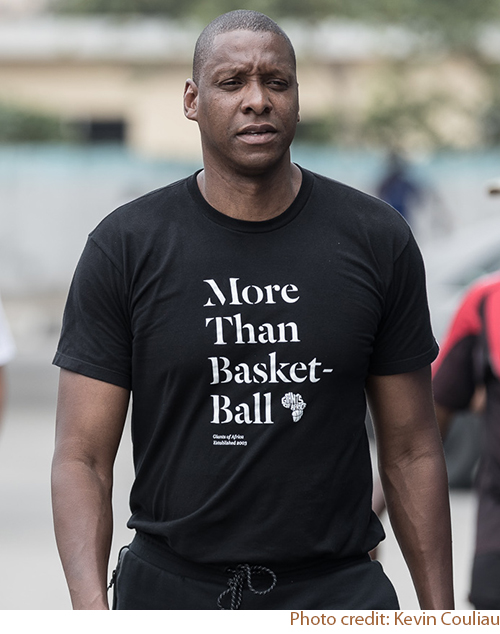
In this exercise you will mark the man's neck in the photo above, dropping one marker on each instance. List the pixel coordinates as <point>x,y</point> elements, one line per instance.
<point>253,198</point>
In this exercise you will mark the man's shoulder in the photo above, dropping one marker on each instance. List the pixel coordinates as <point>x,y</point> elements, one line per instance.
<point>349,194</point>
<point>134,228</point>
<point>146,209</point>
<point>359,210</point>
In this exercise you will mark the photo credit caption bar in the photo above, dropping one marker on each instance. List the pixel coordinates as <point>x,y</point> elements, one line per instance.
<point>403,618</point>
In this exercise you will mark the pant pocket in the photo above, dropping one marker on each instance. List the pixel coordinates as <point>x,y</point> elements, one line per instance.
<point>115,577</point>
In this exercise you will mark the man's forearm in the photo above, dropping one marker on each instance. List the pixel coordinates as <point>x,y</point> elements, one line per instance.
<point>83,522</point>
<point>413,474</point>
<point>416,492</point>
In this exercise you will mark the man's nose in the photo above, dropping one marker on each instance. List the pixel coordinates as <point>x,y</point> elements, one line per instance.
<point>256,98</point>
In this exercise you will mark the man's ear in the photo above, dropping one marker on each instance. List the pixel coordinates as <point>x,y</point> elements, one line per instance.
<point>191,100</point>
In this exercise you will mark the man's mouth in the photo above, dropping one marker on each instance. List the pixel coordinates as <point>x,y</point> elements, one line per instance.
<point>254,133</point>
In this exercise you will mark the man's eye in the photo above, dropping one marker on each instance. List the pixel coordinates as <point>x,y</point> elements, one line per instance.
<point>230,83</point>
<point>278,83</point>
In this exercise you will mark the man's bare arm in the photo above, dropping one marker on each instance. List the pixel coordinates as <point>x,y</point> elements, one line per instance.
<point>90,420</point>
<point>444,417</point>
<point>413,474</point>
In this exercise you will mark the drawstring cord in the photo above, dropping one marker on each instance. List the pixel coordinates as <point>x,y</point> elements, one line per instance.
<point>243,573</point>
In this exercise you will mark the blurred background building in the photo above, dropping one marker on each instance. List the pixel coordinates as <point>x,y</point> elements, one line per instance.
<point>91,116</point>
<point>91,111</point>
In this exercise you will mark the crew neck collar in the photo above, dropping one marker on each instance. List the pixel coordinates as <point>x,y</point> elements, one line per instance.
<point>252,226</point>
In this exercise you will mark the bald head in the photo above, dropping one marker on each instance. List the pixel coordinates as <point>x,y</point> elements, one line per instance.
<point>240,20</point>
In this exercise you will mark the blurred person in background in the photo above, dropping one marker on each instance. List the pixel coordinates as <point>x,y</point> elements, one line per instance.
<point>253,477</point>
<point>398,188</point>
<point>466,376</point>
<point>7,351</point>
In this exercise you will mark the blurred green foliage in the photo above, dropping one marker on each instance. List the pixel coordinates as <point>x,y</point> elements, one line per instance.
<point>397,121</point>
<point>490,114</point>
<point>453,21</point>
<point>20,125</point>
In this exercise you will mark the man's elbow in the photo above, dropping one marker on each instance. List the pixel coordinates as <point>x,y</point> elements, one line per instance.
<point>79,469</point>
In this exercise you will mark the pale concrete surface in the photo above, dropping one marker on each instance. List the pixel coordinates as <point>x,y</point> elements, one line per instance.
<point>31,575</point>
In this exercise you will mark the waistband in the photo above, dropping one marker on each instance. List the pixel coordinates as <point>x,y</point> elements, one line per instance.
<point>156,552</point>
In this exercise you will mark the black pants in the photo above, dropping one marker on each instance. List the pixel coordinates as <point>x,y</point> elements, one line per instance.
<point>150,578</point>
<point>485,587</point>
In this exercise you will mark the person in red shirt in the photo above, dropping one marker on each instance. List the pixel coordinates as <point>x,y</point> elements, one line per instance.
<point>466,375</point>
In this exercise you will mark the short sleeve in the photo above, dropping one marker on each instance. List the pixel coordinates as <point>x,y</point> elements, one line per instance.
<point>404,340</point>
<point>7,346</point>
<point>96,338</point>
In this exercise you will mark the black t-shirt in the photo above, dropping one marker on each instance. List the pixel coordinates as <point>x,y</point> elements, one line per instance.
<point>247,346</point>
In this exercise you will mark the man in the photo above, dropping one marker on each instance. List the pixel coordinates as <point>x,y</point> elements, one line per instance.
<point>467,376</point>
<point>247,308</point>
<point>7,350</point>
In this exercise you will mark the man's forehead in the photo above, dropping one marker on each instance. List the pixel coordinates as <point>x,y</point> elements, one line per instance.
<point>246,46</point>
<point>241,37</point>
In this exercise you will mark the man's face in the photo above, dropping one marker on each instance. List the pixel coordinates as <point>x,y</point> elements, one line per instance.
<point>246,102</point>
